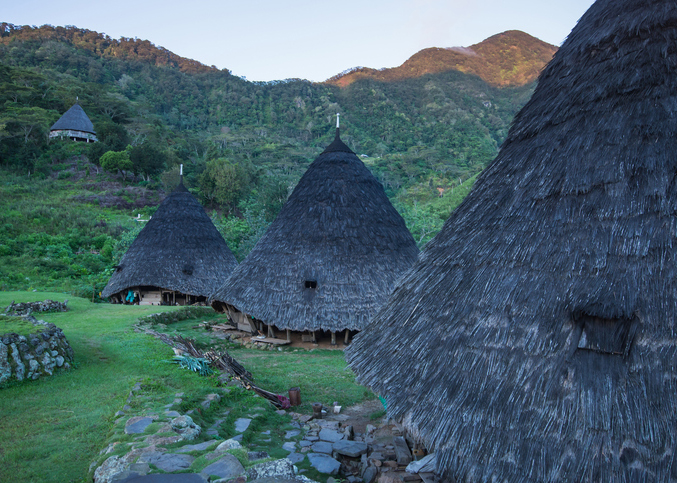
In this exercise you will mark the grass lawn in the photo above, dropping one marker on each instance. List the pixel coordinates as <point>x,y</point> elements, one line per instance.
<point>53,428</point>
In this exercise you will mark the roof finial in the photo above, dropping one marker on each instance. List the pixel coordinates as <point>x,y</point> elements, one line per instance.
<point>337,119</point>
<point>181,173</point>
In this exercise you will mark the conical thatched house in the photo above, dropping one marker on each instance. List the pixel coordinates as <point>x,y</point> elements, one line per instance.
<point>178,258</point>
<point>330,258</point>
<point>74,124</point>
<point>536,338</point>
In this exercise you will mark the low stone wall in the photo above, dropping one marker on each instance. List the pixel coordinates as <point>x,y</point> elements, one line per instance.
<point>40,353</point>
<point>27,308</point>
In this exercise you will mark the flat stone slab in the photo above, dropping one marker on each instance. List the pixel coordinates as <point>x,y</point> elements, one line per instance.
<point>352,449</point>
<point>324,464</point>
<point>289,446</point>
<point>304,443</point>
<point>291,434</point>
<point>402,451</point>
<point>242,424</point>
<point>168,462</point>
<point>322,447</point>
<point>226,467</point>
<point>137,424</point>
<point>330,435</point>
<point>296,457</point>
<point>196,447</point>
<point>172,414</point>
<point>160,478</point>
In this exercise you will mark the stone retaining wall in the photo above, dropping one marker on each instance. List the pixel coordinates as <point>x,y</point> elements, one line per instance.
<point>40,353</point>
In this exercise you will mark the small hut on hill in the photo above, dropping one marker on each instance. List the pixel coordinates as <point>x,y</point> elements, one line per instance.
<point>75,125</point>
<point>330,258</point>
<point>536,338</point>
<point>179,257</point>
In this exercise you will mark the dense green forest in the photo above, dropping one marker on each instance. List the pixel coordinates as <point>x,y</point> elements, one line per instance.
<point>66,208</point>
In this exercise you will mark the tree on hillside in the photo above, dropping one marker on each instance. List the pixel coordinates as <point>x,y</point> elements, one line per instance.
<point>27,121</point>
<point>115,161</point>
<point>147,159</point>
<point>224,182</point>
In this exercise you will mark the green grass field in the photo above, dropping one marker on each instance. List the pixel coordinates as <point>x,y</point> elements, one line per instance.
<point>53,428</point>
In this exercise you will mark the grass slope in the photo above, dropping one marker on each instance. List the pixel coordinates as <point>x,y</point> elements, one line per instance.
<point>53,428</point>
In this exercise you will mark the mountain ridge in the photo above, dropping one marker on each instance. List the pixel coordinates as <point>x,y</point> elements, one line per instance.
<point>508,59</point>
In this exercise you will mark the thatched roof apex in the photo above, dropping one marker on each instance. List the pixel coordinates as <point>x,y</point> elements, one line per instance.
<point>74,119</point>
<point>337,146</point>
<point>179,249</point>
<point>535,340</point>
<point>332,255</point>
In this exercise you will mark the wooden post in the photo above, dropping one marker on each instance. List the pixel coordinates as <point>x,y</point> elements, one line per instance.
<point>288,335</point>
<point>314,339</point>
<point>271,331</point>
<point>333,338</point>
<point>173,297</point>
<point>347,339</point>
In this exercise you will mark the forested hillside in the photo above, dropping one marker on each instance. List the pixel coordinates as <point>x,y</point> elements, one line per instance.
<point>244,144</point>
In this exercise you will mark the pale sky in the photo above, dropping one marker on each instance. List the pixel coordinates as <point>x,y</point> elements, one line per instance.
<point>309,39</point>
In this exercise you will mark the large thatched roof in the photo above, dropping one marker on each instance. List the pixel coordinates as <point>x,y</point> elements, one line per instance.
<point>179,249</point>
<point>74,119</point>
<point>536,338</point>
<point>338,230</point>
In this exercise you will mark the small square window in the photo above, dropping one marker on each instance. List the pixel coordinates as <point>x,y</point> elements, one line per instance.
<point>311,283</point>
<point>606,336</point>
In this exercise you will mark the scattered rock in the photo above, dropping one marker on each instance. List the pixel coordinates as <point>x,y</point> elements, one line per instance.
<point>211,398</point>
<point>167,478</point>
<point>388,478</point>
<point>424,465</point>
<point>273,469</point>
<point>402,451</point>
<point>186,428</point>
<point>370,474</point>
<point>289,446</point>
<point>257,455</point>
<point>296,457</point>
<point>196,447</point>
<point>242,424</point>
<point>352,449</point>
<point>292,433</point>
<point>324,463</point>
<point>137,424</point>
<point>227,466</point>
<point>228,444</point>
<point>323,447</point>
<point>167,462</point>
<point>330,435</point>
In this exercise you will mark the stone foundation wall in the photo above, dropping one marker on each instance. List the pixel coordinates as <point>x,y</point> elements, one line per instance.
<point>29,357</point>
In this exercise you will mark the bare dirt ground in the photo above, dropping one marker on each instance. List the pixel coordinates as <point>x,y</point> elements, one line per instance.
<point>358,416</point>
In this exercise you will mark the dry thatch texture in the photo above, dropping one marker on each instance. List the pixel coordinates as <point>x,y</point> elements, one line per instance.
<point>74,119</point>
<point>338,230</point>
<point>179,249</point>
<point>535,339</point>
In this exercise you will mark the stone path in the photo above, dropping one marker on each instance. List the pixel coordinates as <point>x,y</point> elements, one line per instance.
<point>377,455</point>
